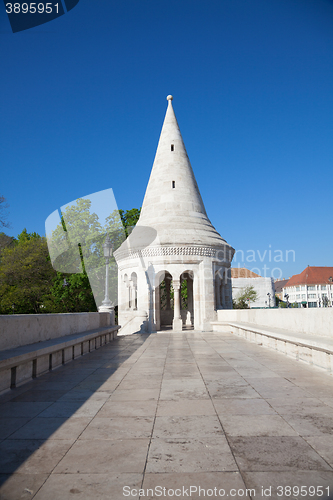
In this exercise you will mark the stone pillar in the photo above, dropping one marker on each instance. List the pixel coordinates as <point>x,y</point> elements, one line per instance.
<point>207,295</point>
<point>135,298</point>
<point>224,306</point>
<point>217,292</point>
<point>196,302</point>
<point>177,323</point>
<point>158,308</point>
<point>190,298</point>
<point>128,297</point>
<point>130,294</point>
<point>151,295</point>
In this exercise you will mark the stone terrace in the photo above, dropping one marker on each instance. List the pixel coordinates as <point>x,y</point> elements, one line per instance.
<point>172,410</point>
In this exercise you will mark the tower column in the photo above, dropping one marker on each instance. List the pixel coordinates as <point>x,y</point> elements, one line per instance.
<point>158,308</point>
<point>131,294</point>
<point>177,323</point>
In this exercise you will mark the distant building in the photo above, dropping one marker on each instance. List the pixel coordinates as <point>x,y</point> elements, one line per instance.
<point>279,284</point>
<point>242,277</point>
<point>312,288</point>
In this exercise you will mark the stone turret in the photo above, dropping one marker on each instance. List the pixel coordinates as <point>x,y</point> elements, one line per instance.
<point>173,241</point>
<point>173,204</point>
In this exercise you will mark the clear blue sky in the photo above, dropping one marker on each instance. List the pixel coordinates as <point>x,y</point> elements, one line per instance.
<point>83,99</point>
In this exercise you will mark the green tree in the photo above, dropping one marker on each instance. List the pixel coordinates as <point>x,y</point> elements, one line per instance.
<point>183,295</point>
<point>3,212</point>
<point>70,293</point>
<point>26,275</point>
<point>5,241</point>
<point>246,295</point>
<point>129,218</point>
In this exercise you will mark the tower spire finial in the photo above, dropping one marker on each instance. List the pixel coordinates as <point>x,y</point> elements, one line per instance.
<point>169,98</point>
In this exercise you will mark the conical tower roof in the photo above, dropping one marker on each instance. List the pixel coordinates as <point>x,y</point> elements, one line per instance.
<point>172,204</point>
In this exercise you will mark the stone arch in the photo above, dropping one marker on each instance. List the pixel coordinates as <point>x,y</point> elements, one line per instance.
<point>164,299</point>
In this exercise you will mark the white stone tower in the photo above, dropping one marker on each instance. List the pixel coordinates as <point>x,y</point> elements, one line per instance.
<point>173,242</point>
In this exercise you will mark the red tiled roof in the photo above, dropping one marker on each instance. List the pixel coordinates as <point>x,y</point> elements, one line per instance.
<point>242,272</point>
<point>312,276</point>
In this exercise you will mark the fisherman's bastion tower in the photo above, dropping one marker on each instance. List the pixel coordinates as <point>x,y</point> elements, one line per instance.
<point>174,268</point>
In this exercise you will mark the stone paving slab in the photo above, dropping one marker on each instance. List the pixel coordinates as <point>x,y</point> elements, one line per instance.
<point>89,486</point>
<point>174,411</point>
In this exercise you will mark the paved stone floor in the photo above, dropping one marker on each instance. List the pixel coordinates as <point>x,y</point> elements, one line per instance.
<point>174,411</point>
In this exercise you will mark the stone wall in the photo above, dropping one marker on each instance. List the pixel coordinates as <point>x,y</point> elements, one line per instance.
<point>312,321</point>
<point>22,329</point>
<point>262,286</point>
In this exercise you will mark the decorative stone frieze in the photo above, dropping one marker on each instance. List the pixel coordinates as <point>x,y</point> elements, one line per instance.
<point>164,251</point>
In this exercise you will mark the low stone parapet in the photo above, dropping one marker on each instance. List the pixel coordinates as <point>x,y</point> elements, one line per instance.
<point>312,349</point>
<point>22,329</point>
<point>313,321</point>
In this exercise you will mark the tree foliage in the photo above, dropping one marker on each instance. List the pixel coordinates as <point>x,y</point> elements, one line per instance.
<point>5,241</point>
<point>246,296</point>
<point>3,212</point>
<point>26,275</point>
<point>30,283</point>
<point>129,218</point>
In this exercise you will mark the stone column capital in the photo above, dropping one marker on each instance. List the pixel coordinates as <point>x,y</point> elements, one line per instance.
<point>176,284</point>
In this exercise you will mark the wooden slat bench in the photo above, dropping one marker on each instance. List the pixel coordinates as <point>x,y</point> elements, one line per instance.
<point>24,363</point>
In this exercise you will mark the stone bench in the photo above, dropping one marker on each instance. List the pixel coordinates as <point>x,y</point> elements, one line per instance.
<point>24,363</point>
<point>312,349</point>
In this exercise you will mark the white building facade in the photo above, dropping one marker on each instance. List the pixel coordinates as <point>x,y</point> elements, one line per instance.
<point>174,268</point>
<point>312,288</point>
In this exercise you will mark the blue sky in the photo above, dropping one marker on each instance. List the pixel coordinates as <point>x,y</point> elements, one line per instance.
<point>83,99</point>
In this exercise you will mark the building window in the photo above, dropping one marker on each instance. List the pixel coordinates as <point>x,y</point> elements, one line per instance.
<point>311,287</point>
<point>172,147</point>
<point>297,289</point>
<point>298,296</point>
<point>312,304</point>
<point>312,296</point>
<point>323,287</point>
<point>173,184</point>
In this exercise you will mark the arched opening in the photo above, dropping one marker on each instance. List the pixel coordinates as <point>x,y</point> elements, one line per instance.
<point>166,301</point>
<point>220,289</point>
<point>173,299</point>
<point>186,299</point>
